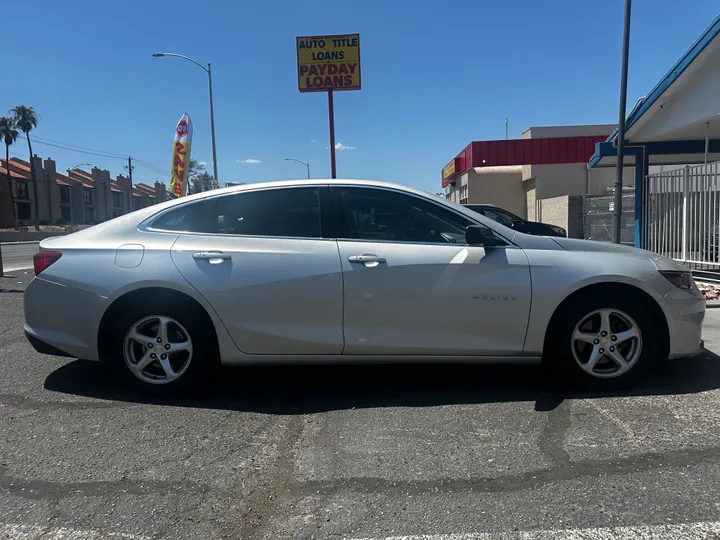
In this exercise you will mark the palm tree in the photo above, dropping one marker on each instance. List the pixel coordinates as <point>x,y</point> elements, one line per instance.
<point>26,119</point>
<point>194,173</point>
<point>9,134</point>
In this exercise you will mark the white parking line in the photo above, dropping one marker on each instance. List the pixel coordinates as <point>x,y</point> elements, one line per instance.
<point>704,530</point>
<point>11,531</point>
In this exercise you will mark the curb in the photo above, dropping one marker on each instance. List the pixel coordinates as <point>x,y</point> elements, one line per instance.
<point>20,242</point>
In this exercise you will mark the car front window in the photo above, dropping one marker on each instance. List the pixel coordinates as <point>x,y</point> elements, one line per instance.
<point>375,214</point>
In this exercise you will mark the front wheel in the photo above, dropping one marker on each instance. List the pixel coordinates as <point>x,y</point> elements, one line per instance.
<point>605,341</point>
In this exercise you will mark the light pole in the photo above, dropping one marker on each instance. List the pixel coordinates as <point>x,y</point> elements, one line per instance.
<point>617,210</point>
<point>81,165</point>
<point>306,164</point>
<point>207,70</point>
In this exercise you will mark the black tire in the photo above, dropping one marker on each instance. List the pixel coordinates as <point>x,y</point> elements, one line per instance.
<point>204,360</point>
<point>558,355</point>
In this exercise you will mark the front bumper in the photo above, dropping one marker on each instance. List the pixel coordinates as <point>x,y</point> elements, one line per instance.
<point>63,319</point>
<point>685,312</point>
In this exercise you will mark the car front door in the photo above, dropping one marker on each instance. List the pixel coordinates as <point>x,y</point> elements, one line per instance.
<point>262,263</point>
<point>414,287</point>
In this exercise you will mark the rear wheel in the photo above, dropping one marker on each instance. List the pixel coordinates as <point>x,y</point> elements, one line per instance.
<point>160,349</point>
<point>604,341</point>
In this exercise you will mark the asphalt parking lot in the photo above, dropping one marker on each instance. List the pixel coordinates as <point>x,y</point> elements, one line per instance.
<point>354,452</point>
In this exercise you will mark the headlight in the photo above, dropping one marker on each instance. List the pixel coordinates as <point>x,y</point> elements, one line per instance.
<point>558,230</point>
<point>682,280</point>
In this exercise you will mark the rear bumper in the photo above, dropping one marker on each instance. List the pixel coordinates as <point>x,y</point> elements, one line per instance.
<point>44,348</point>
<point>62,319</point>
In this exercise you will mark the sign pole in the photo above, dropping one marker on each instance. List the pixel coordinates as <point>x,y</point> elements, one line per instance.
<point>331,113</point>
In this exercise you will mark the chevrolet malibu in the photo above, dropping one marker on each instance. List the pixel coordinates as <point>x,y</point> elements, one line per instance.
<point>335,270</point>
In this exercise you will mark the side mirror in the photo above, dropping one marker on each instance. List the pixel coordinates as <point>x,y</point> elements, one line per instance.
<point>477,235</point>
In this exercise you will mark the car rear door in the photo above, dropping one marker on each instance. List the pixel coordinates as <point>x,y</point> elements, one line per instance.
<point>267,270</point>
<point>412,285</point>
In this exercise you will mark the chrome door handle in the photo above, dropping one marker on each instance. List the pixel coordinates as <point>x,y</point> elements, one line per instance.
<point>207,255</point>
<point>368,259</point>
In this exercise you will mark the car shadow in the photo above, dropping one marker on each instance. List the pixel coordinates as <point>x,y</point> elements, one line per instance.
<point>307,389</point>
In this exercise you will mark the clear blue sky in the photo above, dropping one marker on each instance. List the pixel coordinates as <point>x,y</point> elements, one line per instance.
<point>436,75</point>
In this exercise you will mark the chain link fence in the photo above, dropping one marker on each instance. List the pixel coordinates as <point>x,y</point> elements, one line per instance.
<point>598,217</point>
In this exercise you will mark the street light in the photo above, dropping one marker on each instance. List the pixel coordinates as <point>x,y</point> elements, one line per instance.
<point>207,70</point>
<point>306,164</point>
<point>81,165</point>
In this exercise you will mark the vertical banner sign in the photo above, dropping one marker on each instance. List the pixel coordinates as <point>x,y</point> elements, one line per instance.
<point>327,64</point>
<point>181,157</point>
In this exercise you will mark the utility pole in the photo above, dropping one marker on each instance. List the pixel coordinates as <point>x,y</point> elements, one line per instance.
<point>506,128</point>
<point>129,168</point>
<point>617,217</point>
<point>212,122</point>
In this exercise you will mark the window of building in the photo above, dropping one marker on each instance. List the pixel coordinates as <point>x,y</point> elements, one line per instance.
<point>376,214</point>
<point>117,201</point>
<point>64,194</point>
<point>464,194</point>
<point>66,214</point>
<point>24,211</point>
<point>291,212</point>
<point>21,188</point>
<point>87,195</point>
<point>89,215</point>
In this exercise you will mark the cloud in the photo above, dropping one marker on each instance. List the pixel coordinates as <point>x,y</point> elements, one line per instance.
<point>249,160</point>
<point>202,162</point>
<point>341,146</point>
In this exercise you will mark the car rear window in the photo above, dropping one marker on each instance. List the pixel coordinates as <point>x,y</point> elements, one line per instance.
<point>192,217</point>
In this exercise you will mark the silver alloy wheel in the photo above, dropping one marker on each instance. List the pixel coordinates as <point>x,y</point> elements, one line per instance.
<point>157,349</point>
<point>606,343</point>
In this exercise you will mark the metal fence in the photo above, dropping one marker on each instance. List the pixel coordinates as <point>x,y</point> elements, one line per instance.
<point>681,215</point>
<point>598,216</point>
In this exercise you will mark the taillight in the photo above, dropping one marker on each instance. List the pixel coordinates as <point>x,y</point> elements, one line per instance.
<point>43,259</point>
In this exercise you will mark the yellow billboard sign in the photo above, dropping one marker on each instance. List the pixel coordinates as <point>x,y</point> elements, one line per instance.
<point>449,170</point>
<point>328,63</point>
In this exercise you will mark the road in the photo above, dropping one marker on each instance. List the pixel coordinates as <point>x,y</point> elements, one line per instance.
<point>352,452</point>
<point>18,256</point>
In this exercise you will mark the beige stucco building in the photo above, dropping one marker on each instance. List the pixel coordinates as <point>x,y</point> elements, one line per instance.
<point>546,163</point>
<point>75,198</point>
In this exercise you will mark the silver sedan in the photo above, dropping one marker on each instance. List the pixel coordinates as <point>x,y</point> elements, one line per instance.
<point>338,271</point>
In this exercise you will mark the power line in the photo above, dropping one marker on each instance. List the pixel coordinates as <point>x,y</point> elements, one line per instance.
<point>151,167</point>
<point>99,153</point>
<point>78,147</point>
<point>89,152</point>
